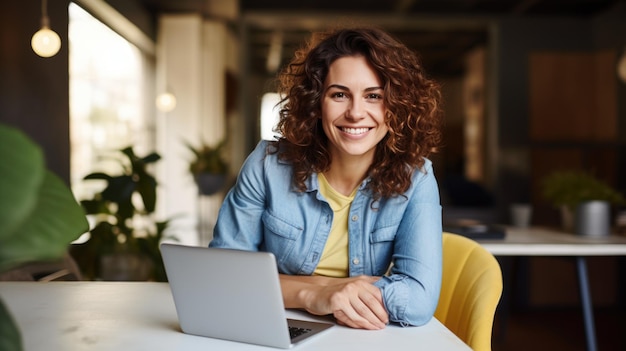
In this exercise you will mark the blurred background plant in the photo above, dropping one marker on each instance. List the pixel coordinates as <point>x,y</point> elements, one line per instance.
<point>209,167</point>
<point>565,190</point>
<point>208,159</point>
<point>570,188</point>
<point>124,239</point>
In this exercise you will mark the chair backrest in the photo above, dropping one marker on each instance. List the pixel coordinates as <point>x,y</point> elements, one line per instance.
<point>471,288</point>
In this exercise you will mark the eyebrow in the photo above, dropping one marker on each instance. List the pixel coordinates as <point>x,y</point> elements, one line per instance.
<point>341,87</point>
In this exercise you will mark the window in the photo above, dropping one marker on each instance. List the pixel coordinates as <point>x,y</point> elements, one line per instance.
<point>269,115</point>
<point>108,109</point>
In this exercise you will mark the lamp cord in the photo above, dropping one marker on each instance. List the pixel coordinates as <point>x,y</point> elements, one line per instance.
<point>45,21</point>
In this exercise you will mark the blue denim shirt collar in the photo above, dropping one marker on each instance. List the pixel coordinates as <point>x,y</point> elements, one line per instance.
<point>312,184</point>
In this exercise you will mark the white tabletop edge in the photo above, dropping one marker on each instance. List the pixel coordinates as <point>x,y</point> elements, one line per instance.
<point>537,241</point>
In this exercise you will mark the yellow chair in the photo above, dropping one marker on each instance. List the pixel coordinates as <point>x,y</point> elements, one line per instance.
<point>470,291</point>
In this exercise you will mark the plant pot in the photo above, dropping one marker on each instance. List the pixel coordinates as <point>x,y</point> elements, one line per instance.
<point>593,218</point>
<point>210,183</point>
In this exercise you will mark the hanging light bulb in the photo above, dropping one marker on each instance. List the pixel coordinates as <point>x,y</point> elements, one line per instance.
<point>166,102</point>
<point>45,42</point>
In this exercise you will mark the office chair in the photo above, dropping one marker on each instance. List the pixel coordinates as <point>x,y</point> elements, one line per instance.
<point>470,291</point>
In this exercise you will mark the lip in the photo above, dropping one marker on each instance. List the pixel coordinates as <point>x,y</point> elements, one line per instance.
<point>355,132</point>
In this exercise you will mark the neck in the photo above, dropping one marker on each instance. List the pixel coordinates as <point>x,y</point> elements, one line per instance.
<point>345,174</point>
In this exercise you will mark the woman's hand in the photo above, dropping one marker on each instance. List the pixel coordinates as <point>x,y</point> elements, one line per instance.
<point>354,302</point>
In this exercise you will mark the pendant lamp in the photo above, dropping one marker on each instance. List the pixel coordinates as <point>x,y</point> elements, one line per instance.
<point>45,42</point>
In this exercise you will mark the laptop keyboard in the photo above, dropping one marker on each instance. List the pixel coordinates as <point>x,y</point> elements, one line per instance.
<point>295,331</point>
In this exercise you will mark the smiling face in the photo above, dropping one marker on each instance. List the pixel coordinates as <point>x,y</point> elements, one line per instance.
<point>353,110</point>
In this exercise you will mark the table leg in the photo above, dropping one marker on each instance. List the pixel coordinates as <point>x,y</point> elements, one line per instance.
<point>587,305</point>
<point>503,309</point>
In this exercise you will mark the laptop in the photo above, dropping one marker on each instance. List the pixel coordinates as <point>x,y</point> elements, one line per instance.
<point>233,295</point>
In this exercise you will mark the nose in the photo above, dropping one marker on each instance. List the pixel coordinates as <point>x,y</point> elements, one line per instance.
<point>356,110</point>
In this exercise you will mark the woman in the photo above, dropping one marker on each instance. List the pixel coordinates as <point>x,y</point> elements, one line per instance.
<point>345,198</point>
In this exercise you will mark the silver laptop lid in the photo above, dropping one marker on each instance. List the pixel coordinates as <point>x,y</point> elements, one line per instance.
<point>227,294</point>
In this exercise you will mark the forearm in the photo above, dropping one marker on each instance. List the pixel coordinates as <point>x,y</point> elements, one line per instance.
<point>292,288</point>
<point>354,301</point>
<point>299,289</point>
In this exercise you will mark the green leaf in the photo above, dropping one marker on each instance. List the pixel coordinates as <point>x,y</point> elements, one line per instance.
<point>10,338</point>
<point>95,206</point>
<point>153,157</point>
<point>128,151</point>
<point>57,220</point>
<point>98,175</point>
<point>39,216</point>
<point>147,189</point>
<point>120,189</point>
<point>21,175</point>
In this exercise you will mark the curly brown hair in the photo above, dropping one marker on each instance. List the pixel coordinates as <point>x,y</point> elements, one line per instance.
<point>412,100</point>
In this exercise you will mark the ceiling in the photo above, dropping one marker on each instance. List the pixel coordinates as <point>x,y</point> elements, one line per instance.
<point>440,30</point>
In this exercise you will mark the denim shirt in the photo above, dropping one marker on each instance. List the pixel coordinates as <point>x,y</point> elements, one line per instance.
<point>264,212</point>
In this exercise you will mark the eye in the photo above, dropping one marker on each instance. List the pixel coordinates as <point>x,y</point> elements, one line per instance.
<point>374,96</point>
<point>338,95</point>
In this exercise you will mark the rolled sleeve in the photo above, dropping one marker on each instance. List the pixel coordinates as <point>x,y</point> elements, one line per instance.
<point>411,291</point>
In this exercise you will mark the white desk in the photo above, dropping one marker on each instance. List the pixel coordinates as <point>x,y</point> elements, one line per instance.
<point>536,241</point>
<point>71,316</point>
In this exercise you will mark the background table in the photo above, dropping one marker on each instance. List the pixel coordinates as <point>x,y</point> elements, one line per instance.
<point>71,316</point>
<point>535,241</point>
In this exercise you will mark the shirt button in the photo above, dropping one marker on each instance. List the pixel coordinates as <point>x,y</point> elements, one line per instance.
<point>355,218</point>
<point>355,261</point>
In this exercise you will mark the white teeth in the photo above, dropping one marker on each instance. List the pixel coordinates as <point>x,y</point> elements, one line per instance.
<point>355,131</point>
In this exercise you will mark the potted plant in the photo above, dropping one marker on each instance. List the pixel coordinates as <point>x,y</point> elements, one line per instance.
<point>566,190</point>
<point>124,240</point>
<point>39,216</point>
<point>208,167</point>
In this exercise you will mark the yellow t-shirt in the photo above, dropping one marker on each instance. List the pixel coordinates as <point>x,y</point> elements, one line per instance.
<point>334,260</point>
